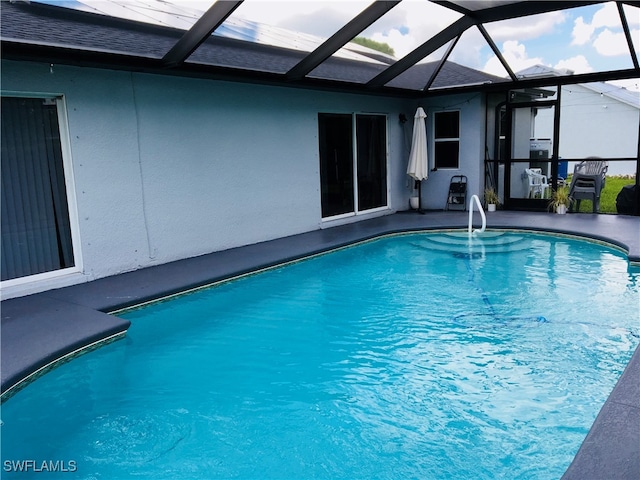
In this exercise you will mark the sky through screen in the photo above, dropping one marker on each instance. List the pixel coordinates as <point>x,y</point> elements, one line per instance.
<point>583,40</point>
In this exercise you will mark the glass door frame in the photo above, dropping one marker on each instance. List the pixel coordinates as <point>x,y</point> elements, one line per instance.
<point>535,204</point>
<point>354,202</point>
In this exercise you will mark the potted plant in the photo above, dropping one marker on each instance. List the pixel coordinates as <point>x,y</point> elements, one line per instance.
<point>560,200</point>
<point>492,199</point>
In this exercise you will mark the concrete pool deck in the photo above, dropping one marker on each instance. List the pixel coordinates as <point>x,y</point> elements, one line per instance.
<point>40,328</point>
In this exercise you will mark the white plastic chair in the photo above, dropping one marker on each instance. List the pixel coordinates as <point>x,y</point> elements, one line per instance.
<point>538,184</point>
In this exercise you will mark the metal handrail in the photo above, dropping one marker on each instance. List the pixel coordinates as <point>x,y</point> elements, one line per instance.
<point>481,210</point>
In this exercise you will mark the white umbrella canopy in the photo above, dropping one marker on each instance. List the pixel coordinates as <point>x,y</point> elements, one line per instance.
<point>418,167</point>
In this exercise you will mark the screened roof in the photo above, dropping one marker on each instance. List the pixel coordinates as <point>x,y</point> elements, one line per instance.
<point>410,47</point>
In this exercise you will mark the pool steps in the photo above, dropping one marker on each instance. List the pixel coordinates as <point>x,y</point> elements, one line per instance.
<point>471,247</point>
<point>461,245</point>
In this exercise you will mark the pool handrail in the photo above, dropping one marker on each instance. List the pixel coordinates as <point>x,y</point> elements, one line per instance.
<point>481,210</point>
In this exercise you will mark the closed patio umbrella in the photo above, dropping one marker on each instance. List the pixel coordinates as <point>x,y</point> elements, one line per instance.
<point>418,168</point>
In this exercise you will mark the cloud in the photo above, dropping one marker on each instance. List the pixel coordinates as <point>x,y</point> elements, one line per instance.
<point>332,21</point>
<point>401,43</point>
<point>607,16</point>
<point>410,24</point>
<point>577,64</point>
<point>526,28</point>
<point>582,32</point>
<point>321,18</point>
<point>469,49</point>
<point>609,40</point>
<point>611,44</point>
<point>396,30</point>
<point>404,27</point>
<point>635,39</point>
<point>632,14</point>
<point>516,56</point>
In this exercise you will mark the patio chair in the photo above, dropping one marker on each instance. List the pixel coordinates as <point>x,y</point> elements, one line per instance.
<point>589,177</point>
<point>537,183</point>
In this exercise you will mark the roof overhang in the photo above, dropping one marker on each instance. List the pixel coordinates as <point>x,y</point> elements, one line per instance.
<point>178,60</point>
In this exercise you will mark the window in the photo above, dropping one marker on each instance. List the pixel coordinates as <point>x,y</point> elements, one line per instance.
<point>353,163</point>
<point>36,226</point>
<point>447,139</point>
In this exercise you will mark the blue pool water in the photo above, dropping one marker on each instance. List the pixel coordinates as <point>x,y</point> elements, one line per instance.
<point>415,356</point>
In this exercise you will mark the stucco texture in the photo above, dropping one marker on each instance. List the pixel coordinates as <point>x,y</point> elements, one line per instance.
<point>167,167</point>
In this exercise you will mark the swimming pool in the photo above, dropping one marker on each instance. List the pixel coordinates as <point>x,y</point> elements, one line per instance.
<point>444,361</point>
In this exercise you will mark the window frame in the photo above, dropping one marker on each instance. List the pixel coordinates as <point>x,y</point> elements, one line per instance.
<point>64,276</point>
<point>439,141</point>
<point>355,189</point>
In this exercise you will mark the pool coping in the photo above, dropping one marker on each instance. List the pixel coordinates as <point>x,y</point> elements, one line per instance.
<point>58,324</point>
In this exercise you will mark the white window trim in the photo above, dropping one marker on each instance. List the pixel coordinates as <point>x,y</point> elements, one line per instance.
<point>66,276</point>
<point>437,140</point>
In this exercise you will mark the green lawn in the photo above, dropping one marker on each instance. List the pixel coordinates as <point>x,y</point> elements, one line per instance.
<point>609,193</point>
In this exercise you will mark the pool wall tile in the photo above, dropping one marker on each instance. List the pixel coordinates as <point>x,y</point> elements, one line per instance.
<point>37,330</point>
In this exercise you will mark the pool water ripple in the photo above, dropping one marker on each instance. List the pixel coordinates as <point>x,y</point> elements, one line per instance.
<point>391,359</point>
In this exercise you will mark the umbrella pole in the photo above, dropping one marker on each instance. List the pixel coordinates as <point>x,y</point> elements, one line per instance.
<point>420,197</point>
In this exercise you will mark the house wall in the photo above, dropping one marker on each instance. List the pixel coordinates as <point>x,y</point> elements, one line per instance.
<point>594,125</point>
<point>472,120</point>
<point>168,167</point>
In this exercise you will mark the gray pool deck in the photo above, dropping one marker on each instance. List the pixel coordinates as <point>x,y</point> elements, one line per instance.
<point>38,329</point>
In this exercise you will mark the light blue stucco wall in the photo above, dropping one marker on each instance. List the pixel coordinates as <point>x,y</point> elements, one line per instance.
<point>472,142</point>
<point>594,125</point>
<point>169,167</point>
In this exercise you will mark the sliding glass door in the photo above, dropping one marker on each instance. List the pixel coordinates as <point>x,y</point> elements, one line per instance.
<point>336,164</point>
<point>36,230</point>
<point>353,163</point>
